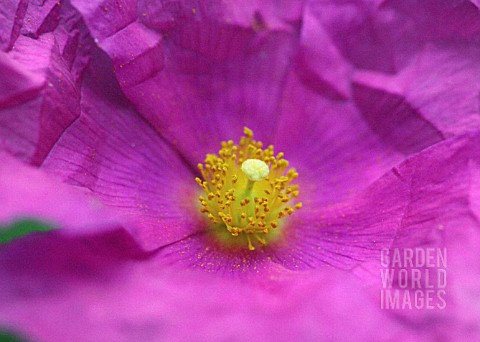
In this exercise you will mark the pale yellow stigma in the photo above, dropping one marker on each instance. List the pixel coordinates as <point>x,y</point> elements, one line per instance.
<point>248,192</point>
<point>255,169</point>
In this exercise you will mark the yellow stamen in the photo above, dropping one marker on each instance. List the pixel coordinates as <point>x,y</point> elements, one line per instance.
<point>248,191</point>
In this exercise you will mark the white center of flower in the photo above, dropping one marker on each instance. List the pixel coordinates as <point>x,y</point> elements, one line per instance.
<point>255,169</point>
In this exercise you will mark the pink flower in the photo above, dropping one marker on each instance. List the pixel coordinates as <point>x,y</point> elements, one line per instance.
<point>107,107</point>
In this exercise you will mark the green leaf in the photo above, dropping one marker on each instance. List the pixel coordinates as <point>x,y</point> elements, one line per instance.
<point>21,228</point>
<point>8,336</point>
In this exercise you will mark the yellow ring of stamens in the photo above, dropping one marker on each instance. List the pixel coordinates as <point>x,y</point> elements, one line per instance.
<point>247,190</point>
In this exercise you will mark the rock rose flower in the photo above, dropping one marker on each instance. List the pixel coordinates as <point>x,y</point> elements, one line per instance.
<point>110,230</point>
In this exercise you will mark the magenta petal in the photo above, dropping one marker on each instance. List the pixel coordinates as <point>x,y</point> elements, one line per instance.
<point>442,193</point>
<point>385,35</point>
<point>27,193</point>
<point>362,32</point>
<point>437,20</point>
<point>474,168</point>
<point>219,67</point>
<point>342,142</point>
<point>124,163</point>
<point>44,99</point>
<point>136,53</point>
<point>319,64</point>
<point>105,17</point>
<point>83,289</point>
<point>202,252</point>
<point>12,13</point>
<point>41,17</point>
<point>410,206</point>
<point>441,83</point>
<point>199,102</point>
<point>251,14</point>
<point>346,235</point>
<point>323,134</point>
<point>48,269</point>
<point>443,214</point>
<point>17,84</point>
<point>330,144</point>
<point>28,128</point>
<point>439,88</point>
<point>390,116</point>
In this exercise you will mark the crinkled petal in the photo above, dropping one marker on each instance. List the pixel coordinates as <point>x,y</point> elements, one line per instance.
<point>438,90</point>
<point>330,144</point>
<point>343,128</point>
<point>106,17</point>
<point>455,277</point>
<point>319,63</point>
<point>41,17</point>
<point>383,35</point>
<point>111,151</point>
<point>18,85</point>
<point>44,99</point>
<point>12,13</point>
<point>442,216</point>
<point>136,53</point>
<point>410,206</point>
<point>203,71</point>
<point>336,147</point>
<point>438,20</point>
<point>388,114</point>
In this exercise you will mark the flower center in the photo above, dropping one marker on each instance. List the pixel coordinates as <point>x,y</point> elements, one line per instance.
<point>248,192</point>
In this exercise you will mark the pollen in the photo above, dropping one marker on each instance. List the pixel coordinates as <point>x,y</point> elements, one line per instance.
<point>248,192</point>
